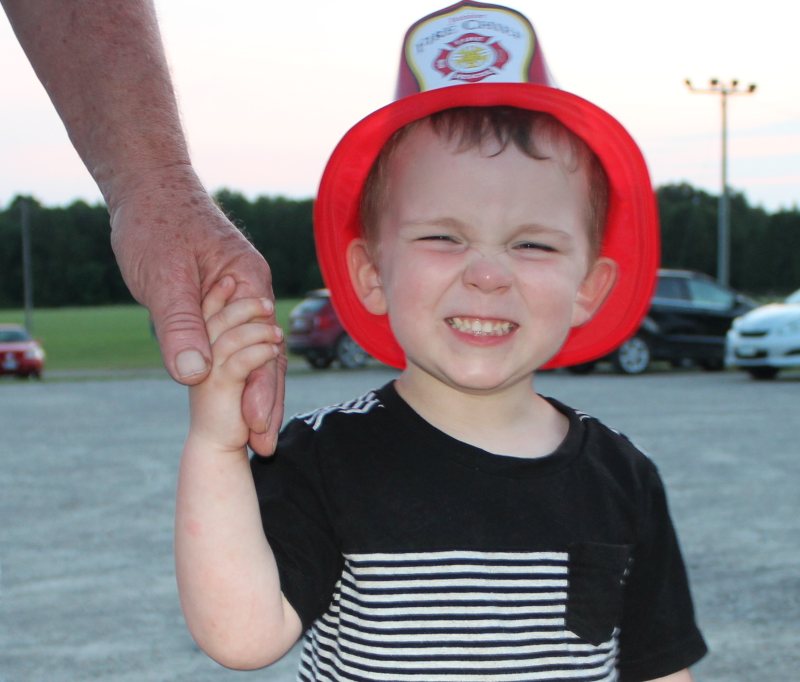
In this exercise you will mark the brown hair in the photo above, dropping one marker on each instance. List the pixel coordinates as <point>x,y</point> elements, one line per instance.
<point>471,127</point>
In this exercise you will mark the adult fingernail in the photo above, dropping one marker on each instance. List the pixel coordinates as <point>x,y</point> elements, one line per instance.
<point>190,363</point>
<point>268,305</point>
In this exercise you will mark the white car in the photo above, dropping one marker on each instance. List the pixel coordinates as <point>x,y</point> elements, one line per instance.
<point>766,339</point>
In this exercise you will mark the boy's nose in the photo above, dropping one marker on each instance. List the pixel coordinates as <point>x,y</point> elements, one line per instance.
<point>486,272</point>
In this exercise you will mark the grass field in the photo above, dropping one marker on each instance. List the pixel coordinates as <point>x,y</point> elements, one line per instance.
<point>104,337</point>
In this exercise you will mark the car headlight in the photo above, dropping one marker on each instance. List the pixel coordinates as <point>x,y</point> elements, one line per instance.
<point>790,329</point>
<point>34,354</point>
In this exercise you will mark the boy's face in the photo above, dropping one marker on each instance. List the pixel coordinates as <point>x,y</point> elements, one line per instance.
<point>482,262</point>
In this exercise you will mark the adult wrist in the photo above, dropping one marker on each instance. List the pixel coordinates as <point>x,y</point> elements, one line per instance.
<point>173,179</point>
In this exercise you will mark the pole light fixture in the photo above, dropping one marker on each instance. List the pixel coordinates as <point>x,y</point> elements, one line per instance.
<point>723,89</point>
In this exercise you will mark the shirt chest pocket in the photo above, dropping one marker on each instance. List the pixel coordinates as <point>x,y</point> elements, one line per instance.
<point>597,575</point>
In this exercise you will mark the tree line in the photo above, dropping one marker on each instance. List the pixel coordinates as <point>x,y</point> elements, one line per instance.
<point>73,264</point>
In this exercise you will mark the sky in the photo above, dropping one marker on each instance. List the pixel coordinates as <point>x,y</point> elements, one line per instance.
<point>266,89</point>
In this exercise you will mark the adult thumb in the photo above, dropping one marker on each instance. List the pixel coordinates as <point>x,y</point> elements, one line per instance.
<point>181,333</point>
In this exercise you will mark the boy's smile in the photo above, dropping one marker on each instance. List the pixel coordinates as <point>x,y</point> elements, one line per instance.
<point>481,262</point>
<point>481,328</point>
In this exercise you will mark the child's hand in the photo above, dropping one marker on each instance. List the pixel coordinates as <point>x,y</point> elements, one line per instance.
<point>241,341</point>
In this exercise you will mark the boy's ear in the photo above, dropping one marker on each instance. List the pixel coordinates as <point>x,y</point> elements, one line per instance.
<point>365,278</point>
<point>593,290</point>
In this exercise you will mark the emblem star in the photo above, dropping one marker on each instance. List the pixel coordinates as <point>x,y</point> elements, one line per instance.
<point>472,57</point>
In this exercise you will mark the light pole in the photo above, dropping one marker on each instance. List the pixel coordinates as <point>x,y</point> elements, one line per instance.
<point>717,87</point>
<point>27,275</point>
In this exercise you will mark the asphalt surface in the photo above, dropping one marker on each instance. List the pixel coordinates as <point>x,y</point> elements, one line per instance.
<point>87,588</point>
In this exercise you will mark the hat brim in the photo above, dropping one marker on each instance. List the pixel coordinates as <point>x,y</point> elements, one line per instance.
<point>631,236</point>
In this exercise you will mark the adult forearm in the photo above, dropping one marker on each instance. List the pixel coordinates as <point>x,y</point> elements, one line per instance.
<point>103,66</point>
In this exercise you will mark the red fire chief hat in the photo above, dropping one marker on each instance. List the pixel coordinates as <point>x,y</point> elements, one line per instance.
<point>473,54</point>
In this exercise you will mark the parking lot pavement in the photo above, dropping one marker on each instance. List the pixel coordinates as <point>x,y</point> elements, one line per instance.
<point>87,589</point>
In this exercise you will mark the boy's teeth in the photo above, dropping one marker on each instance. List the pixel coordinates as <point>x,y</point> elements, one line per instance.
<point>480,327</point>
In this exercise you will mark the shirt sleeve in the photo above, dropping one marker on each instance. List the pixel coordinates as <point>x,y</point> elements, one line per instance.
<point>659,635</point>
<point>295,515</point>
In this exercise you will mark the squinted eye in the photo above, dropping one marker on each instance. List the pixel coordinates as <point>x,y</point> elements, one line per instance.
<point>437,238</point>
<point>534,246</point>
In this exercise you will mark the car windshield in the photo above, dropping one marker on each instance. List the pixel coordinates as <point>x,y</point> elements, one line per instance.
<point>13,335</point>
<point>793,298</point>
<point>672,288</point>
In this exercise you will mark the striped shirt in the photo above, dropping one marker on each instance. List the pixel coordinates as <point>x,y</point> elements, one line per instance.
<point>410,556</point>
<point>452,617</point>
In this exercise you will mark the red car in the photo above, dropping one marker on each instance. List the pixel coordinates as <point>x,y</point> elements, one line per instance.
<point>19,353</point>
<point>316,333</point>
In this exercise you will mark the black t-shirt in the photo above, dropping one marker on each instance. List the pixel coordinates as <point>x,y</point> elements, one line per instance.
<point>410,555</point>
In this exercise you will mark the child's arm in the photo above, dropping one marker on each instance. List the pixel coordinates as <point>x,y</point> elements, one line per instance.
<point>227,578</point>
<point>681,676</point>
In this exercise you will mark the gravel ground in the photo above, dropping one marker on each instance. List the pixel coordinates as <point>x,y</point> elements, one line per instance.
<point>87,589</point>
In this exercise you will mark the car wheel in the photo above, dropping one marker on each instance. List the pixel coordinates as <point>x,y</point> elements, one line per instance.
<point>583,368</point>
<point>763,373</point>
<point>349,354</point>
<point>633,356</point>
<point>319,361</point>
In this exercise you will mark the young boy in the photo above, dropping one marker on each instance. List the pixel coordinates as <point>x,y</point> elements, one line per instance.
<point>453,524</point>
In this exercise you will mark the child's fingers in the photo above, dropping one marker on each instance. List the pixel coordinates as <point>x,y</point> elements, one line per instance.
<point>242,362</point>
<point>238,312</point>
<point>218,296</point>
<point>242,336</point>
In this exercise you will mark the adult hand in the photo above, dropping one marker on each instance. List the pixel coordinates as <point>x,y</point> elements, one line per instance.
<point>172,244</point>
<point>103,65</point>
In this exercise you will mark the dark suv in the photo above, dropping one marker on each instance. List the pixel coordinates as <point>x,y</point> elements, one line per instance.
<point>688,319</point>
<point>316,333</point>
